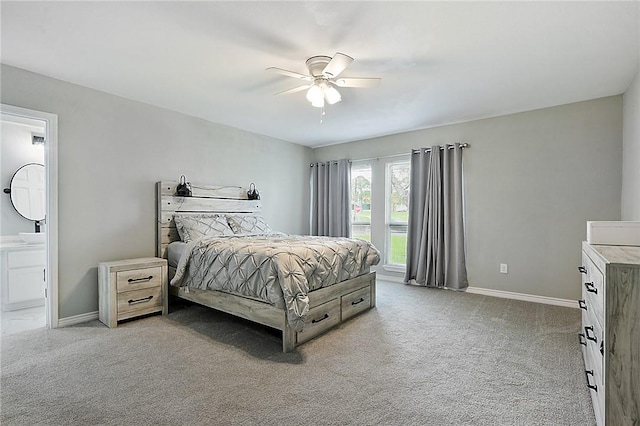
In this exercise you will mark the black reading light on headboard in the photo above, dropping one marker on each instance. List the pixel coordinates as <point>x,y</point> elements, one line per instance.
<point>252,193</point>
<point>184,188</point>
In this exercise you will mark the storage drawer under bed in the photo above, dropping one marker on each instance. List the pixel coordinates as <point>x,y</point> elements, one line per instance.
<point>355,302</point>
<point>320,319</point>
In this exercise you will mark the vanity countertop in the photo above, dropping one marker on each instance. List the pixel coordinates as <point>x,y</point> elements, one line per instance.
<point>14,242</point>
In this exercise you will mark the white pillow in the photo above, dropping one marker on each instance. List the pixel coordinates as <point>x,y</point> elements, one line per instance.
<point>194,226</point>
<point>248,224</point>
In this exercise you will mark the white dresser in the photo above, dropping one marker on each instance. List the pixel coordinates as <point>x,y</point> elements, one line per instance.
<point>23,273</point>
<point>610,335</point>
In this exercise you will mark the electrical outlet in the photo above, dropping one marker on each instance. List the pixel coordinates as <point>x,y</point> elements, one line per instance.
<point>503,268</point>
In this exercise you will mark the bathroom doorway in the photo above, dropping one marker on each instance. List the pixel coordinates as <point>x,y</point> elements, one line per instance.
<point>28,224</point>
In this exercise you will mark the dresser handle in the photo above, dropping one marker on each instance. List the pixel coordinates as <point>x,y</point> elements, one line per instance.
<point>588,373</point>
<point>582,269</point>
<point>321,319</point>
<point>355,302</point>
<point>591,288</point>
<point>143,300</point>
<point>587,329</point>
<point>581,339</point>
<point>139,280</point>
<point>583,304</point>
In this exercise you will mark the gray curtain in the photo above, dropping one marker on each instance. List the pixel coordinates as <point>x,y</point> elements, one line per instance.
<point>330,193</point>
<point>435,241</point>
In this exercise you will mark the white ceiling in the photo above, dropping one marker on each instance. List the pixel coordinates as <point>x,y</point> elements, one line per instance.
<point>440,62</point>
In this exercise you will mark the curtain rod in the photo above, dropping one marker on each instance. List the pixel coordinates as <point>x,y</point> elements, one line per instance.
<point>413,151</point>
<point>450,146</point>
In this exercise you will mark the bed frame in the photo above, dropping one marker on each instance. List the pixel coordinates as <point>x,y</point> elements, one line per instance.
<point>327,306</point>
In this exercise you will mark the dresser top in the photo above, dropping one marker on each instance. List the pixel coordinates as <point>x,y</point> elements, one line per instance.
<point>622,255</point>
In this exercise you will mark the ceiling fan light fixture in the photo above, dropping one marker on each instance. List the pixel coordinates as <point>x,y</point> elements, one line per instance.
<point>331,94</point>
<point>315,96</point>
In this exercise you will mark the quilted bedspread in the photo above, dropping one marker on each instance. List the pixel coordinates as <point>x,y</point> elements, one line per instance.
<point>277,269</point>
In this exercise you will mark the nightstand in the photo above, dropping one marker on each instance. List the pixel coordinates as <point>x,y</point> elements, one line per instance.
<point>131,288</point>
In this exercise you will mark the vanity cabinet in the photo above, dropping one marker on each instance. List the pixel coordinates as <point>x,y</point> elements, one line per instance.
<point>22,282</point>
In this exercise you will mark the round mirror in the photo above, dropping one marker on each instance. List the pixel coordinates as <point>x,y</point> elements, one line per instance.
<point>28,191</point>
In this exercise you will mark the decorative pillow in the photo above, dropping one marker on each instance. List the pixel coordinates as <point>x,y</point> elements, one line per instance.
<point>248,224</point>
<point>194,226</point>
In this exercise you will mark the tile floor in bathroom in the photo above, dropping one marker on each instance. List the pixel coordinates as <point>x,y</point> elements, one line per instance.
<point>23,319</point>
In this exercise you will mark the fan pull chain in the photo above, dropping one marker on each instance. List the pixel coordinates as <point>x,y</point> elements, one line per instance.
<point>321,115</point>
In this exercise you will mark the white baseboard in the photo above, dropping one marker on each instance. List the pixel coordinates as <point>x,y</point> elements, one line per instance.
<point>503,294</point>
<point>522,296</point>
<point>390,278</point>
<point>77,319</point>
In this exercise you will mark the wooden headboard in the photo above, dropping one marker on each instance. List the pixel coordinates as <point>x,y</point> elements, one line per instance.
<point>205,199</point>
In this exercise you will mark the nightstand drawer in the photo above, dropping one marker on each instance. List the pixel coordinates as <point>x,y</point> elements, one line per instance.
<point>139,300</point>
<point>138,279</point>
<point>356,302</point>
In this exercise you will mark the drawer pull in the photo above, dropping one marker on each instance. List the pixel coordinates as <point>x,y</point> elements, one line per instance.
<point>583,304</point>
<point>581,339</point>
<point>588,373</point>
<point>140,280</point>
<point>355,302</point>
<point>582,269</point>
<point>143,300</point>
<point>588,329</point>
<point>591,288</point>
<point>315,321</point>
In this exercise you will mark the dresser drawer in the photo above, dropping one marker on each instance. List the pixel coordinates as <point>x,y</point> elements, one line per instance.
<point>137,279</point>
<point>355,302</point>
<point>593,286</point>
<point>320,319</point>
<point>592,332</point>
<point>133,302</point>
<point>594,376</point>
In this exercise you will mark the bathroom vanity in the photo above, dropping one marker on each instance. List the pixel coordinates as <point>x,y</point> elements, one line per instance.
<point>22,280</point>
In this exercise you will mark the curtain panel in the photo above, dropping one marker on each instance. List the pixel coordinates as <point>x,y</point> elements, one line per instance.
<point>330,199</point>
<point>435,240</point>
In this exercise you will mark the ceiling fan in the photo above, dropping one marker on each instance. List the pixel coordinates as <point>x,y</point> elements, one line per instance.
<point>323,79</point>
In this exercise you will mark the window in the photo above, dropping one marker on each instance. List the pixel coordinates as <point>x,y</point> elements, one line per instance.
<point>361,200</point>
<point>397,196</point>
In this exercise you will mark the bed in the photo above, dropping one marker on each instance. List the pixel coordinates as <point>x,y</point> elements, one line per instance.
<point>305,307</point>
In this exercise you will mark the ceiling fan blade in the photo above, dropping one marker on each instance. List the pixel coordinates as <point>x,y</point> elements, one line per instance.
<point>337,64</point>
<point>291,73</point>
<point>294,90</point>
<point>357,82</point>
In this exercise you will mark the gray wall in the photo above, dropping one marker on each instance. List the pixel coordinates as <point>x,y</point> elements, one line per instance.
<point>16,151</point>
<point>532,181</point>
<point>631,152</point>
<point>111,153</point>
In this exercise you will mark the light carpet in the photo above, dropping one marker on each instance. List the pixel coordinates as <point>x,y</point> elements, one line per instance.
<point>421,357</point>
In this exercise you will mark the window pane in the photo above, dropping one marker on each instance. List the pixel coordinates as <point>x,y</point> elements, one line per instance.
<point>400,174</point>
<point>361,201</point>
<point>398,244</point>
<point>398,180</point>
